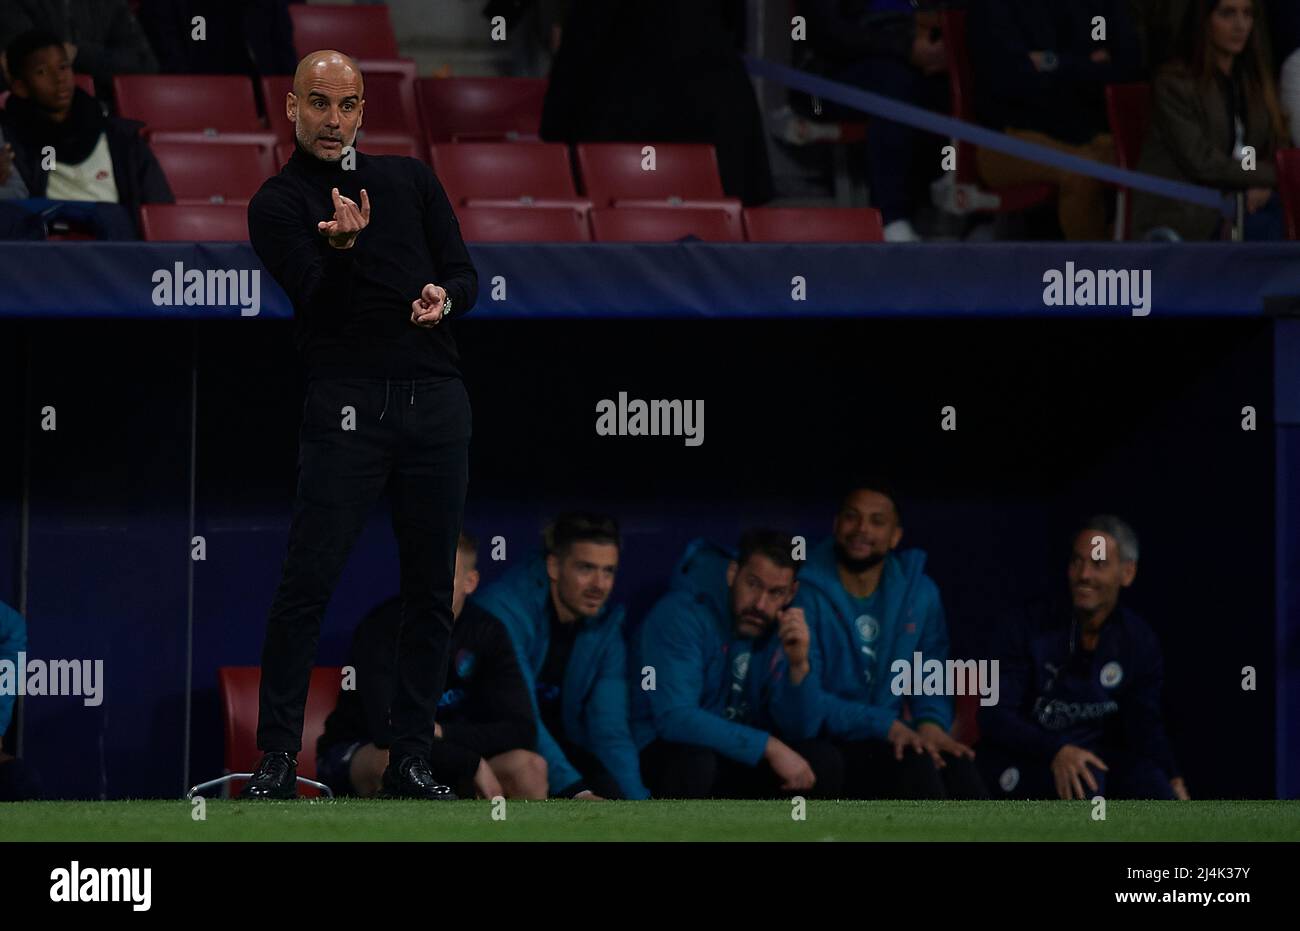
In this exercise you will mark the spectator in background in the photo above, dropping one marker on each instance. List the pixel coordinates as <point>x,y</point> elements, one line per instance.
<point>11,182</point>
<point>732,672</point>
<point>103,38</point>
<point>533,30</point>
<point>570,646</point>
<point>253,37</point>
<point>660,71</point>
<point>1284,23</point>
<point>1158,23</point>
<point>867,607</point>
<point>18,781</point>
<point>484,734</point>
<point>1080,705</point>
<point>97,158</point>
<point>882,47</point>
<point>1215,99</point>
<point>1041,77</point>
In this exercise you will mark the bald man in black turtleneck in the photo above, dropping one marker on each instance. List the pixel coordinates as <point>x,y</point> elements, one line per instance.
<point>370,254</point>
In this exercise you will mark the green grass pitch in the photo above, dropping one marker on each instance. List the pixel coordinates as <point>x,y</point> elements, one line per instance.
<point>369,820</point>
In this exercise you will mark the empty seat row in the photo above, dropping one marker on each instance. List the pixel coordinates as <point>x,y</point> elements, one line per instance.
<point>222,108</point>
<point>664,223</point>
<point>478,174</point>
<point>229,222</point>
<point>610,172</point>
<point>361,31</point>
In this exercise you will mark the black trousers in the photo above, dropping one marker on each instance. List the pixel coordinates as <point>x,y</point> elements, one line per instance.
<point>1011,775</point>
<point>871,772</point>
<point>413,438</point>
<point>678,770</point>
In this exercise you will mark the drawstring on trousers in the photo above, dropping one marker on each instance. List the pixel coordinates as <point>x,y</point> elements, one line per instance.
<point>387,385</point>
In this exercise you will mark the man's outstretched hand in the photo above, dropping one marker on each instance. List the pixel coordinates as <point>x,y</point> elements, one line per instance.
<point>938,741</point>
<point>427,309</point>
<point>349,220</point>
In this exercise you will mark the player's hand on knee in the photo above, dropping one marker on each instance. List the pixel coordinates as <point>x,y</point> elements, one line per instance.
<point>938,742</point>
<point>903,739</point>
<point>349,220</point>
<point>1071,773</point>
<point>803,779</point>
<point>790,768</point>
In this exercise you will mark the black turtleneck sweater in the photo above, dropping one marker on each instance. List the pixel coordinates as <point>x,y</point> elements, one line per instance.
<point>352,307</point>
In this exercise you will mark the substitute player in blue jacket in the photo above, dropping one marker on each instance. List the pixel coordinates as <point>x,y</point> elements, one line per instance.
<point>868,607</point>
<point>724,669</point>
<point>1080,712</point>
<point>571,652</point>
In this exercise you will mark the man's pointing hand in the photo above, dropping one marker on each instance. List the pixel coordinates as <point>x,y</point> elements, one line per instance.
<point>349,220</point>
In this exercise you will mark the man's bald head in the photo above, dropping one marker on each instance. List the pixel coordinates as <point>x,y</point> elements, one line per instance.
<point>327,65</point>
<point>326,103</point>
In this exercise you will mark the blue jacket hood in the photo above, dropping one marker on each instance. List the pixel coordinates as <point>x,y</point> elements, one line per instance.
<point>702,572</point>
<point>820,572</point>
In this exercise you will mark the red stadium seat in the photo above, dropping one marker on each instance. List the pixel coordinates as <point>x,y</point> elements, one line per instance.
<point>580,204</point>
<point>389,145</point>
<point>397,146</point>
<point>390,105</point>
<point>360,31</point>
<point>731,205</point>
<point>208,174</point>
<point>275,87</point>
<point>1288,179</point>
<point>965,722</point>
<point>523,224</point>
<point>1128,107</point>
<point>612,171</point>
<point>813,224</point>
<point>237,687</point>
<point>211,103</point>
<point>962,86</point>
<point>656,224</point>
<point>474,170</point>
<point>265,140</point>
<point>194,222</point>
<point>482,108</point>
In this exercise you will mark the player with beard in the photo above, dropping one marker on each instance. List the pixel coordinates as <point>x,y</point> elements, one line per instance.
<point>866,606</point>
<point>570,646</point>
<point>732,680</point>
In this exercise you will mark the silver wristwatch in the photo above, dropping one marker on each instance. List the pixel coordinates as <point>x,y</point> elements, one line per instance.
<point>446,308</point>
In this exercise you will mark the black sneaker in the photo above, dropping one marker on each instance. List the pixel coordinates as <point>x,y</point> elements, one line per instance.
<point>411,778</point>
<point>276,777</point>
